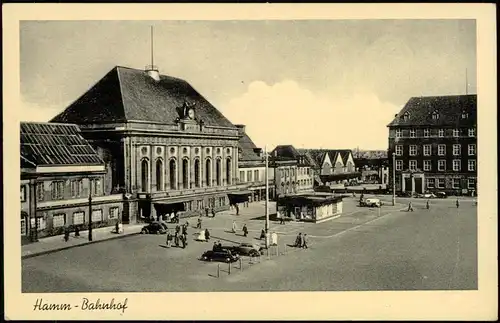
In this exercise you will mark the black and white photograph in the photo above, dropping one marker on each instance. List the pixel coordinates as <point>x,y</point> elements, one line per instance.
<point>194,155</point>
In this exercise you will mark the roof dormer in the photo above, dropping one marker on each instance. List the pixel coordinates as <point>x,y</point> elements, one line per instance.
<point>465,115</point>
<point>435,115</point>
<point>406,116</point>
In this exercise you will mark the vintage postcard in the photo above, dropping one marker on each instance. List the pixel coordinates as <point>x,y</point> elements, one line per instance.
<point>232,162</point>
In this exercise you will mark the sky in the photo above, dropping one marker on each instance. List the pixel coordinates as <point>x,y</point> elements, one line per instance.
<point>310,83</point>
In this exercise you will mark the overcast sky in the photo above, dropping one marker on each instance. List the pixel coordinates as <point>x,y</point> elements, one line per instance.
<point>331,84</point>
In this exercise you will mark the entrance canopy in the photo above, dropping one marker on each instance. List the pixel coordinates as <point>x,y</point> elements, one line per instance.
<point>169,207</point>
<point>238,197</point>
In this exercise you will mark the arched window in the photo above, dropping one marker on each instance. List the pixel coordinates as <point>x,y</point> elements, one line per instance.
<point>159,175</point>
<point>185,173</point>
<point>173,174</point>
<point>197,172</point>
<point>208,172</point>
<point>218,172</point>
<point>228,171</point>
<point>144,175</point>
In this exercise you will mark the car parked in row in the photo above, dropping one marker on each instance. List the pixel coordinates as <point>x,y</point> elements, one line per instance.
<point>370,202</point>
<point>155,227</point>
<point>223,255</point>
<point>246,249</point>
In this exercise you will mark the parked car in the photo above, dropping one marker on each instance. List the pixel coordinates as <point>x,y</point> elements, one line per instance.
<point>223,255</point>
<point>427,195</point>
<point>371,202</point>
<point>155,227</point>
<point>246,249</point>
<point>441,195</point>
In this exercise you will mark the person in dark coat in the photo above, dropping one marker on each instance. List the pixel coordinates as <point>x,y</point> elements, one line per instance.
<point>245,230</point>
<point>237,209</point>
<point>298,240</point>
<point>207,234</point>
<point>213,213</point>
<point>215,247</point>
<point>458,204</point>
<point>185,229</point>
<point>183,241</point>
<point>410,207</point>
<point>262,234</point>
<point>176,239</point>
<point>206,212</point>
<point>198,225</point>
<point>66,234</point>
<point>427,206</point>
<point>304,241</point>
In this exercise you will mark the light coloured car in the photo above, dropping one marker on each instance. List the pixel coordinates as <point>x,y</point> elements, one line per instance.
<point>372,202</point>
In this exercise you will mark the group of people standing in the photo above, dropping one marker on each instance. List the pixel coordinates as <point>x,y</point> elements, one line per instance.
<point>301,241</point>
<point>179,238</point>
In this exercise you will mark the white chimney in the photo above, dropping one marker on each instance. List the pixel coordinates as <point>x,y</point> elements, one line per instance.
<point>153,72</point>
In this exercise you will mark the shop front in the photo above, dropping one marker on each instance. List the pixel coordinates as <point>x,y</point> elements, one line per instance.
<point>309,207</point>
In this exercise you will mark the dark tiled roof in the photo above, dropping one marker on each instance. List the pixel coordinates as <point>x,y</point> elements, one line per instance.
<point>126,94</point>
<point>369,154</point>
<point>318,155</point>
<point>315,156</point>
<point>246,148</point>
<point>450,108</point>
<point>289,152</point>
<point>344,154</point>
<point>55,144</point>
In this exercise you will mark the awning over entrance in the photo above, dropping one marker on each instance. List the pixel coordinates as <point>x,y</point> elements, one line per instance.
<point>339,177</point>
<point>238,197</point>
<point>169,207</point>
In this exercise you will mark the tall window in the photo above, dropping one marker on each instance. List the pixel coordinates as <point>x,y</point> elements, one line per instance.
<point>441,150</point>
<point>412,133</point>
<point>456,165</point>
<point>456,183</point>
<point>399,165</point>
<point>97,215</point>
<point>441,133</point>
<point>78,217</point>
<point>471,165</point>
<point>471,183</point>
<point>456,132</point>
<point>427,150</point>
<point>440,183</point>
<point>413,150</point>
<point>208,172</point>
<point>413,165</point>
<point>456,150</point>
<point>426,133</point>
<point>185,173</point>
<point>23,193</point>
<point>40,191</point>
<point>197,173</point>
<point>76,188</point>
<point>427,165</point>
<point>472,150</point>
<point>242,176</point>
<point>159,175</point>
<point>228,171</point>
<point>398,133</point>
<point>172,169</point>
<point>472,132</point>
<point>430,183</point>
<point>249,176</point>
<point>218,172</point>
<point>256,175</point>
<point>144,175</point>
<point>57,189</point>
<point>96,187</point>
<point>59,220</point>
<point>399,150</point>
<point>441,165</point>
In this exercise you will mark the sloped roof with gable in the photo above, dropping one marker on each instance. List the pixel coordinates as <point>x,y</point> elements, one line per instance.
<point>449,108</point>
<point>51,144</point>
<point>290,152</point>
<point>318,155</point>
<point>126,94</point>
<point>246,147</point>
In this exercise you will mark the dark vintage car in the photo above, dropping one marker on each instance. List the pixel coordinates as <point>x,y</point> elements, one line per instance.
<point>155,227</point>
<point>245,249</point>
<point>223,255</point>
<point>441,195</point>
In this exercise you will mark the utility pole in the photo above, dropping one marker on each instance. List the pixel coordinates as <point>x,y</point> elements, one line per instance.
<point>466,83</point>
<point>152,61</point>
<point>393,178</point>
<point>90,209</point>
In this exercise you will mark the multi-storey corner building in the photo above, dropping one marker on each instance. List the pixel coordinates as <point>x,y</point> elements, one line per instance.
<point>434,141</point>
<point>293,170</point>
<point>59,172</point>
<point>164,145</point>
<point>252,168</point>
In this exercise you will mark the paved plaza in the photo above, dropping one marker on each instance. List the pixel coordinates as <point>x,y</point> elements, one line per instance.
<point>364,249</point>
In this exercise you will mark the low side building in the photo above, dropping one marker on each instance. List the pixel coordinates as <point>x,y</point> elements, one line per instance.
<point>60,172</point>
<point>311,207</point>
<point>304,177</point>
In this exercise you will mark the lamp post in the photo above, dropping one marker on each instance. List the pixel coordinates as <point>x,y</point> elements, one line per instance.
<point>267,197</point>
<point>393,179</point>
<point>90,209</point>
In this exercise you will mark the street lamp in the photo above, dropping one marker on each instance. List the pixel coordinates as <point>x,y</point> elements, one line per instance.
<point>267,197</point>
<point>393,178</point>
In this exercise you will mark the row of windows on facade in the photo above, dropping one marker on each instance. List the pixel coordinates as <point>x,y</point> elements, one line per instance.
<point>427,150</point>
<point>57,189</point>
<point>457,165</point>
<point>300,182</point>
<point>213,202</point>
<point>435,115</point>
<point>59,219</point>
<point>455,183</point>
<point>185,151</point>
<point>427,133</point>
<point>186,180</point>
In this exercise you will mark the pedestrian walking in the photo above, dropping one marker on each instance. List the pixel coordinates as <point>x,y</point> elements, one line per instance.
<point>304,241</point>
<point>282,218</point>
<point>427,205</point>
<point>184,229</point>
<point>183,242</point>
<point>213,213</point>
<point>458,204</point>
<point>77,231</point>
<point>245,230</point>
<point>198,225</point>
<point>169,239</point>
<point>66,234</point>
<point>237,209</point>
<point>234,227</point>
<point>206,212</point>
<point>176,239</point>
<point>298,240</point>
<point>410,207</point>
<point>262,234</point>
<point>207,234</point>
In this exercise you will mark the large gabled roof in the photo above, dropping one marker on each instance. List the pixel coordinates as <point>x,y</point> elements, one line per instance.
<point>289,152</point>
<point>449,108</point>
<point>318,155</point>
<point>126,94</point>
<point>51,144</point>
